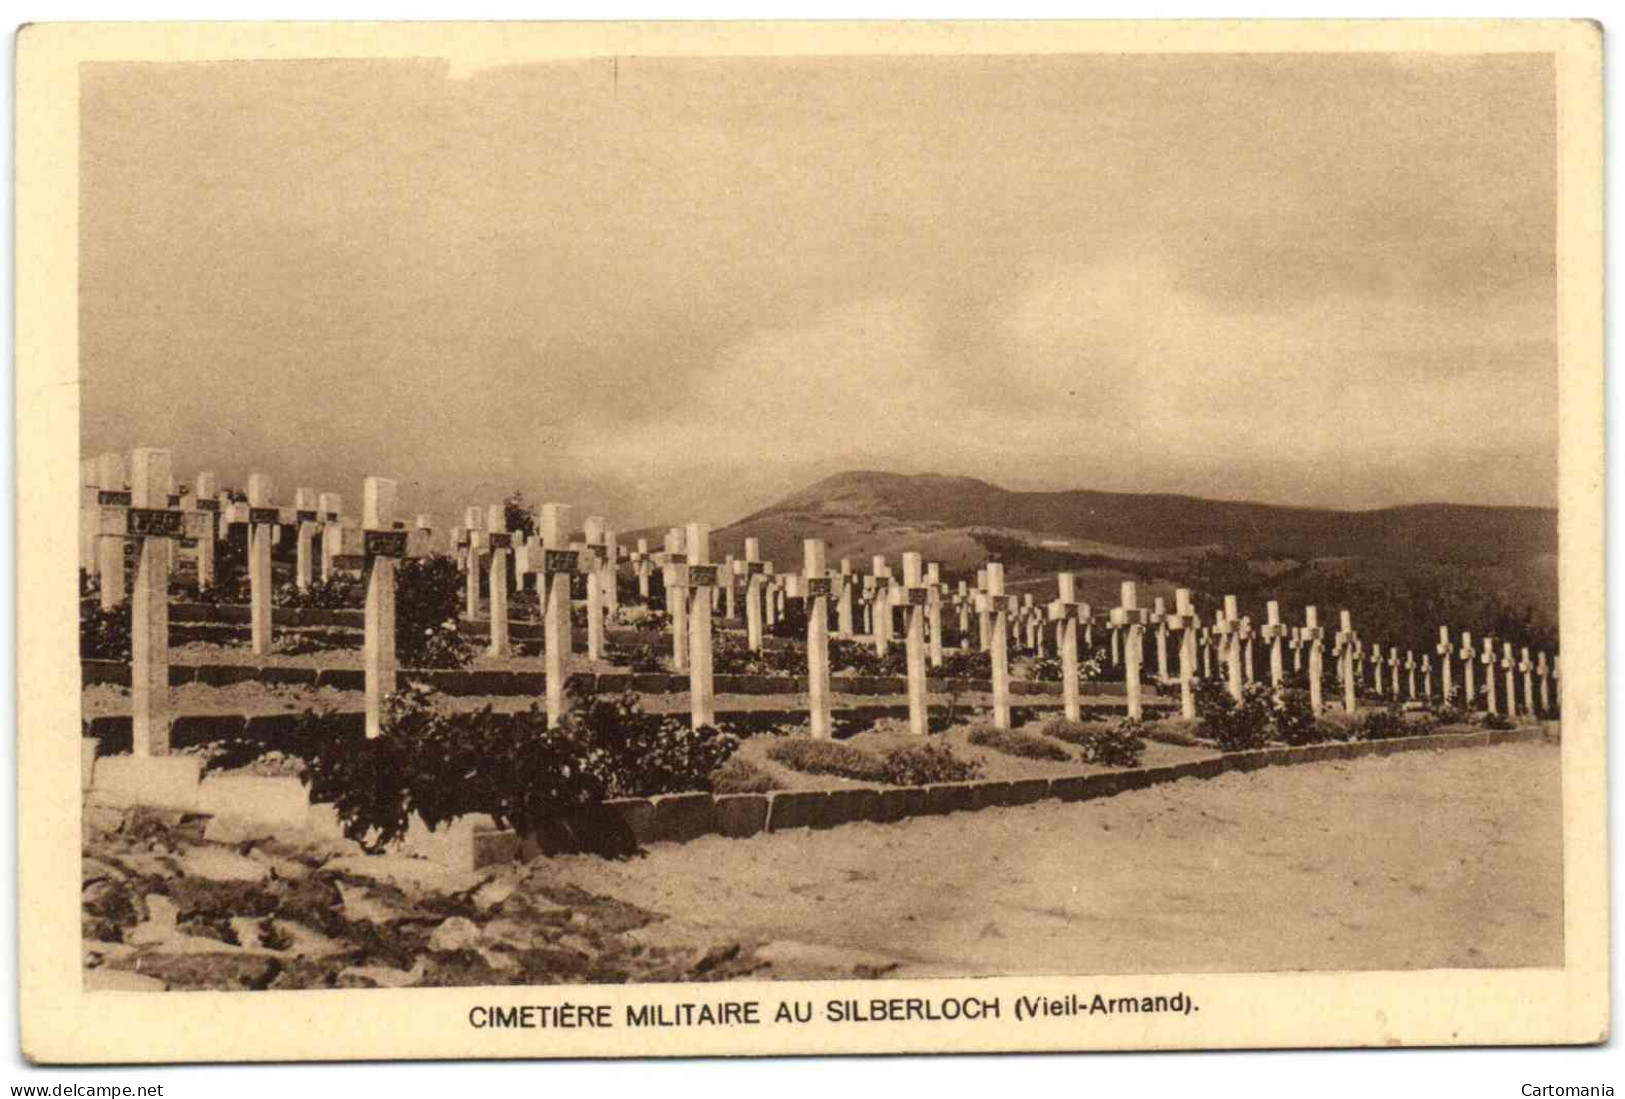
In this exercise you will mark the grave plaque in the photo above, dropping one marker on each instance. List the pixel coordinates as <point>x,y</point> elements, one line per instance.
<point>260,516</point>
<point>702,576</point>
<point>383,543</point>
<point>917,597</point>
<point>113,499</point>
<point>818,586</point>
<point>208,505</point>
<point>305,516</point>
<point>755,568</point>
<point>499,540</point>
<point>156,522</point>
<point>560,560</point>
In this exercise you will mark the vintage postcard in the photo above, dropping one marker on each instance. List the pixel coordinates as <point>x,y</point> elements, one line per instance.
<point>647,539</point>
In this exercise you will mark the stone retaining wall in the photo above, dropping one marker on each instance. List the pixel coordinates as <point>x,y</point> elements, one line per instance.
<point>176,782</point>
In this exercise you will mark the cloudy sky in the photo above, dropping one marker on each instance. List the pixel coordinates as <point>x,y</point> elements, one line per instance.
<point>674,289</point>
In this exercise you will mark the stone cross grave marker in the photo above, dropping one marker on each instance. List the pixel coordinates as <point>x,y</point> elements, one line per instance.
<point>264,522</point>
<point>1065,611</point>
<point>597,551</point>
<point>1509,665</point>
<point>474,531</point>
<point>149,524</point>
<point>1487,658</point>
<point>676,606</point>
<point>843,605</point>
<point>1227,629</point>
<point>641,567</point>
<point>111,490</point>
<point>817,583</point>
<point>1427,676</point>
<point>754,570</point>
<point>204,499</point>
<point>1187,623</point>
<point>962,603</point>
<point>933,580</point>
<point>883,604</point>
<point>381,546</point>
<point>1244,636</point>
<point>1294,642</point>
<point>696,579</point>
<point>1159,619</point>
<point>1446,652</point>
<point>557,565</point>
<point>498,542</point>
<point>915,596</point>
<point>1312,636</point>
<point>999,642</point>
<point>1544,673</point>
<point>1205,639</point>
<point>984,612</point>
<point>1469,696</point>
<point>1275,633</point>
<point>306,517</point>
<point>1129,620</point>
<point>1393,671</point>
<point>1347,647</point>
<point>1410,673</point>
<point>1528,670</point>
<point>330,509</point>
<point>1376,668</point>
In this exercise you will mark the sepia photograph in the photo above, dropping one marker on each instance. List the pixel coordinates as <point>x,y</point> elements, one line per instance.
<point>757,539</point>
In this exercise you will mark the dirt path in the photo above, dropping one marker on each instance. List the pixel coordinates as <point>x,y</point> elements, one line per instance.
<point>1419,860</point>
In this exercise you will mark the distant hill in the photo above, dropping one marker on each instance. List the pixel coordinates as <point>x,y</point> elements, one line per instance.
<point>1477,568</point>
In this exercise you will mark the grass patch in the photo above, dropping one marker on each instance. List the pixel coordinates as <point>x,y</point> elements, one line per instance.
<point>926,764</point>
<point>1022,745</point>
<point>827,757</point>
<point>741,776</point>
<point>1115,745</point>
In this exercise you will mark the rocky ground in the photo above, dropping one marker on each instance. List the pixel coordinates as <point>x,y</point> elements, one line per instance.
<point>1417,860</point>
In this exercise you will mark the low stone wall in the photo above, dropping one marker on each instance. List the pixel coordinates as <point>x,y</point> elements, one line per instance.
<point>177,782</point>
<point>497,682</point>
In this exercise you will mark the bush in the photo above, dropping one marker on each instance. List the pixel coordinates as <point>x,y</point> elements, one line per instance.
<point>338,592</point>
<point>741,776</point>
<point>1293,720</point>
<point>1381,725</point>
<point>428,597</point>
<point>847,655</point>
<point>647,753</point>
<point>926,764</point>
<point>971,665</point>
<point>1044,669</point>
<point>642,618</point>
<point>1117,745</point>
<point>104,635</point>
<point>827,757</point>
<point>1022,745</point>
<point>1499,722</point>
<point>1235,726</point>
<point>442,766</point>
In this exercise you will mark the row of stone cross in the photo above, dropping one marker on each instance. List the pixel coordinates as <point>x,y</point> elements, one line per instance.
<point>135,511</point>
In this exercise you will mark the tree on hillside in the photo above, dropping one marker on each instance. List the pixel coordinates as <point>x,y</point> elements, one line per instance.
<point>519,515</point>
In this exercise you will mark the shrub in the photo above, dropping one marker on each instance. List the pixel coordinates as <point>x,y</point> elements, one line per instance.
<point>444,766</point>
<point>647,753</point>
<point>104,635</point>
<point>429,596</point>
<point>971,665</point>
<point>1044,669</point>
<point>642,618</point>
<point>741,776</point>
<point>850,655</point>
<point>1236,726</point>
<point>1293,720</point>
<point>1117,745</point>
<point>827,757</point>
<point>1499,722</point>
<point>335,593</point>
<point>1013,743</point>
<point>926,764</point>
<point>1381,725</point>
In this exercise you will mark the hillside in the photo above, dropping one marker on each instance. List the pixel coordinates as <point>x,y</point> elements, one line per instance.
<point>1476,568</point>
